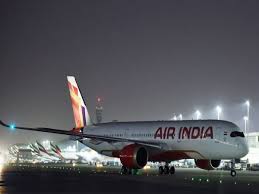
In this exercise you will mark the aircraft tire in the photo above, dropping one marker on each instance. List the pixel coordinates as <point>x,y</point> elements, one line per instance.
<point>124,170</point>
<point>161,170</point>
<point>233,173</point>
<point>166,170</point>
<point>172,170</point>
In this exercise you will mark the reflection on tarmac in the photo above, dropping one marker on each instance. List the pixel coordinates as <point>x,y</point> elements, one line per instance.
<point>1,168</point>
<point>81,179</point>
<point>2,184</point>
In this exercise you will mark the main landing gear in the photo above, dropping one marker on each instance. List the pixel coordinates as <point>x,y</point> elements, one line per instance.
<point>233,172</point>
<point>125,170</point>
<point>166,169</point>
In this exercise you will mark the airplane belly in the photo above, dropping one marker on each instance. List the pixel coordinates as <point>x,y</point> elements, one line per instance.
<point>104,148</point>
<point>195,149</point>
<point>207,149</point>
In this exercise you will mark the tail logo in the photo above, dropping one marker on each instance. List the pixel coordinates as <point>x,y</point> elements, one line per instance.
<point>81,115</point>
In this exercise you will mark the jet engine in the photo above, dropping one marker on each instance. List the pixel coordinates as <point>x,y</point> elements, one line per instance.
<point>207,164</point>
<point>134,156</point>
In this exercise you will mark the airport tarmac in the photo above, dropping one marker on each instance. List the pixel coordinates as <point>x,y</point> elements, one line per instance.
<point>70,179</point>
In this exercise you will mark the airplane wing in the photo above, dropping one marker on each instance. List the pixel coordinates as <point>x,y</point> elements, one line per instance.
<point>41,129</point>
<point>81,136</point>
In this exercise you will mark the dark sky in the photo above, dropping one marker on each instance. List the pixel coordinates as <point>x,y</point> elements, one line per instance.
<point>146,59</point>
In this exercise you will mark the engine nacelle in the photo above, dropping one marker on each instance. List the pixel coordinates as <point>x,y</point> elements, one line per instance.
<point>207,164</point>
<point>134,156</point>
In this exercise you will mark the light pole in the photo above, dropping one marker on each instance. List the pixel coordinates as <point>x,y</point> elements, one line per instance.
<point>198,114</point>
<point>245,119</point>
<point>219,110</point>
<point>248,113</point>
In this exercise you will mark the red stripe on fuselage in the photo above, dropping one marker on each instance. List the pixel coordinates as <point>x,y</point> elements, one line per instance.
<point>169,156</point>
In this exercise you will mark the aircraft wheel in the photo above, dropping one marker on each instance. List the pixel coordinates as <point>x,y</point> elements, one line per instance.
<point>166,170</point>
<point>161,170</point>
<point>233,173</point>
<point>134,171</point>
<point>124,170</point>
<point>172,170</point>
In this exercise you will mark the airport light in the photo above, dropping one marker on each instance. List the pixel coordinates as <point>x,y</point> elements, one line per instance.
<point>198,114</point>
<point>12,126</point>
<point>46,144</point>
<point>174,118</point>
<point>245,119</point>
<point>248,103</point>
<point>181,117</point>
<point>219,110</point>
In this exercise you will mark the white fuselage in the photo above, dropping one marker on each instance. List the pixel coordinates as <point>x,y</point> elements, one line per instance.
<point>194,139</point>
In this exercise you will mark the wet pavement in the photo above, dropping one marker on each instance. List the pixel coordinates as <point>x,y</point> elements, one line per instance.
<point>69,180</point>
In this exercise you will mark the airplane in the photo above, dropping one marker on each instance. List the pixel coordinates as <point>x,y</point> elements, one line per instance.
<point>84,155</point>
<point>56,151</point>
<point>39,156</point>
<point>35,150</point>
<point>42,152</point>
<point>137,142</point>
<point>64,156</point>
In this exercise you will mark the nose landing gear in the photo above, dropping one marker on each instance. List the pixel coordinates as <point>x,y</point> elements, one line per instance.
<point>125,170</point>
<point>233,172</point>
<point>128,171</point>
<point>166,169</point>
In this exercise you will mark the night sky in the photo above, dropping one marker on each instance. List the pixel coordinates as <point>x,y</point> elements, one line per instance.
<point>146,59</point>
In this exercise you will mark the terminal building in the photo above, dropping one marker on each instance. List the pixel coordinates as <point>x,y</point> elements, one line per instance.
<point>253,140</point>
<point>70,151</point>
<point>253,143</point>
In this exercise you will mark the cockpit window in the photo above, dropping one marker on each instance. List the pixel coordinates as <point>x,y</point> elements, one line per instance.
<point>237,134</point>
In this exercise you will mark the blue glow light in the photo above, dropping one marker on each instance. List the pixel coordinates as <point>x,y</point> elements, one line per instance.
<point>12,126</point>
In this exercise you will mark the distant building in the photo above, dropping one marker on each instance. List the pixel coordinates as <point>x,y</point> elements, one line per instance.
<point>99,111</point>
<point>21,152</point>
<point>70,150</point>
<point>253,143</point>
<point>253,140</point>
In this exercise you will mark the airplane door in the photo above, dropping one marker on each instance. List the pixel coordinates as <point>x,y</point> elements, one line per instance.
<point>218,140</point>
<point>223,134</point>
<point>126,133</point>
<point>219,135</point>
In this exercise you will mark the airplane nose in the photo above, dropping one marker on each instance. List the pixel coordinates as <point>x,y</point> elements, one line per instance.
<point>244,148</point>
